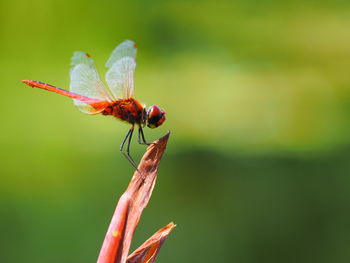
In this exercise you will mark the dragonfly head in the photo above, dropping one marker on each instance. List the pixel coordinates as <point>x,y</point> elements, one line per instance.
<point>155,116</point>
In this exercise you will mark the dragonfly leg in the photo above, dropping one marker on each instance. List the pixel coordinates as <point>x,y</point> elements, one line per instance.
<point>141,135</point>
<point>127,153</point>
<point>124,140</point>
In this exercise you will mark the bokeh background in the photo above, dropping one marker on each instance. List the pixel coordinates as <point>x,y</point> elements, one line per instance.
<point>257,95</point>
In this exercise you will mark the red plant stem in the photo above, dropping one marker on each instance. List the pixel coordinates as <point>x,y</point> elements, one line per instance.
<point>117,242</point>
<point>114,237</point>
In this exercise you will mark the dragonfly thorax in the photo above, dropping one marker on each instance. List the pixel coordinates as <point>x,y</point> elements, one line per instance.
<point>129,110</point>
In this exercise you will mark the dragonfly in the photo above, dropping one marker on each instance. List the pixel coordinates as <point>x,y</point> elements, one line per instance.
<point>91,96</point>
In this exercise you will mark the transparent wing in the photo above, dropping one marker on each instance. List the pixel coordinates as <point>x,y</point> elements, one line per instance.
<point>120,77</point>
<point>125,49</point>
<point>84,80</point>
<point>122,64</point>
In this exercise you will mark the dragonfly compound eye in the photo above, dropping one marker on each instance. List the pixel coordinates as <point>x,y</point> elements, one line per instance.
<point>155,116</point>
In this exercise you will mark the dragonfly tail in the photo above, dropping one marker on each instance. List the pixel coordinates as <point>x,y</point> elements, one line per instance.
<point>45,86</point>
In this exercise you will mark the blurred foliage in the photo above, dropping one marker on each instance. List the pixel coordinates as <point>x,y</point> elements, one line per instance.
<point>257,99</point>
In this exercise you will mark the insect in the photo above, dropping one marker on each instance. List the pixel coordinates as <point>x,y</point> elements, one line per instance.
<point>91,96</point>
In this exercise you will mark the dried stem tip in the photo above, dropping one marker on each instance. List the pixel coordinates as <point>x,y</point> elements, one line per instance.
<point>117,242</point>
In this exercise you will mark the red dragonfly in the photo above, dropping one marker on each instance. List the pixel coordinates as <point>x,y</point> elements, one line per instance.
<point>91,96</point>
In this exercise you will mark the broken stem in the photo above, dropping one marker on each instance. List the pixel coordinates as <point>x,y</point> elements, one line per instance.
<point>115,248</point>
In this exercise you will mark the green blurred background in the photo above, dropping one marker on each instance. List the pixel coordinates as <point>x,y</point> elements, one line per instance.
<point>257,95</point>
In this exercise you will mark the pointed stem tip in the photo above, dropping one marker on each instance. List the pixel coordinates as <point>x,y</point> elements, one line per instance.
<point>115,248</point>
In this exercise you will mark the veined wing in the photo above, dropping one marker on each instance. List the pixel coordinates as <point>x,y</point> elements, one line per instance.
<point>125,49</point>
<point>122,64</point>
<point>85,80</point>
